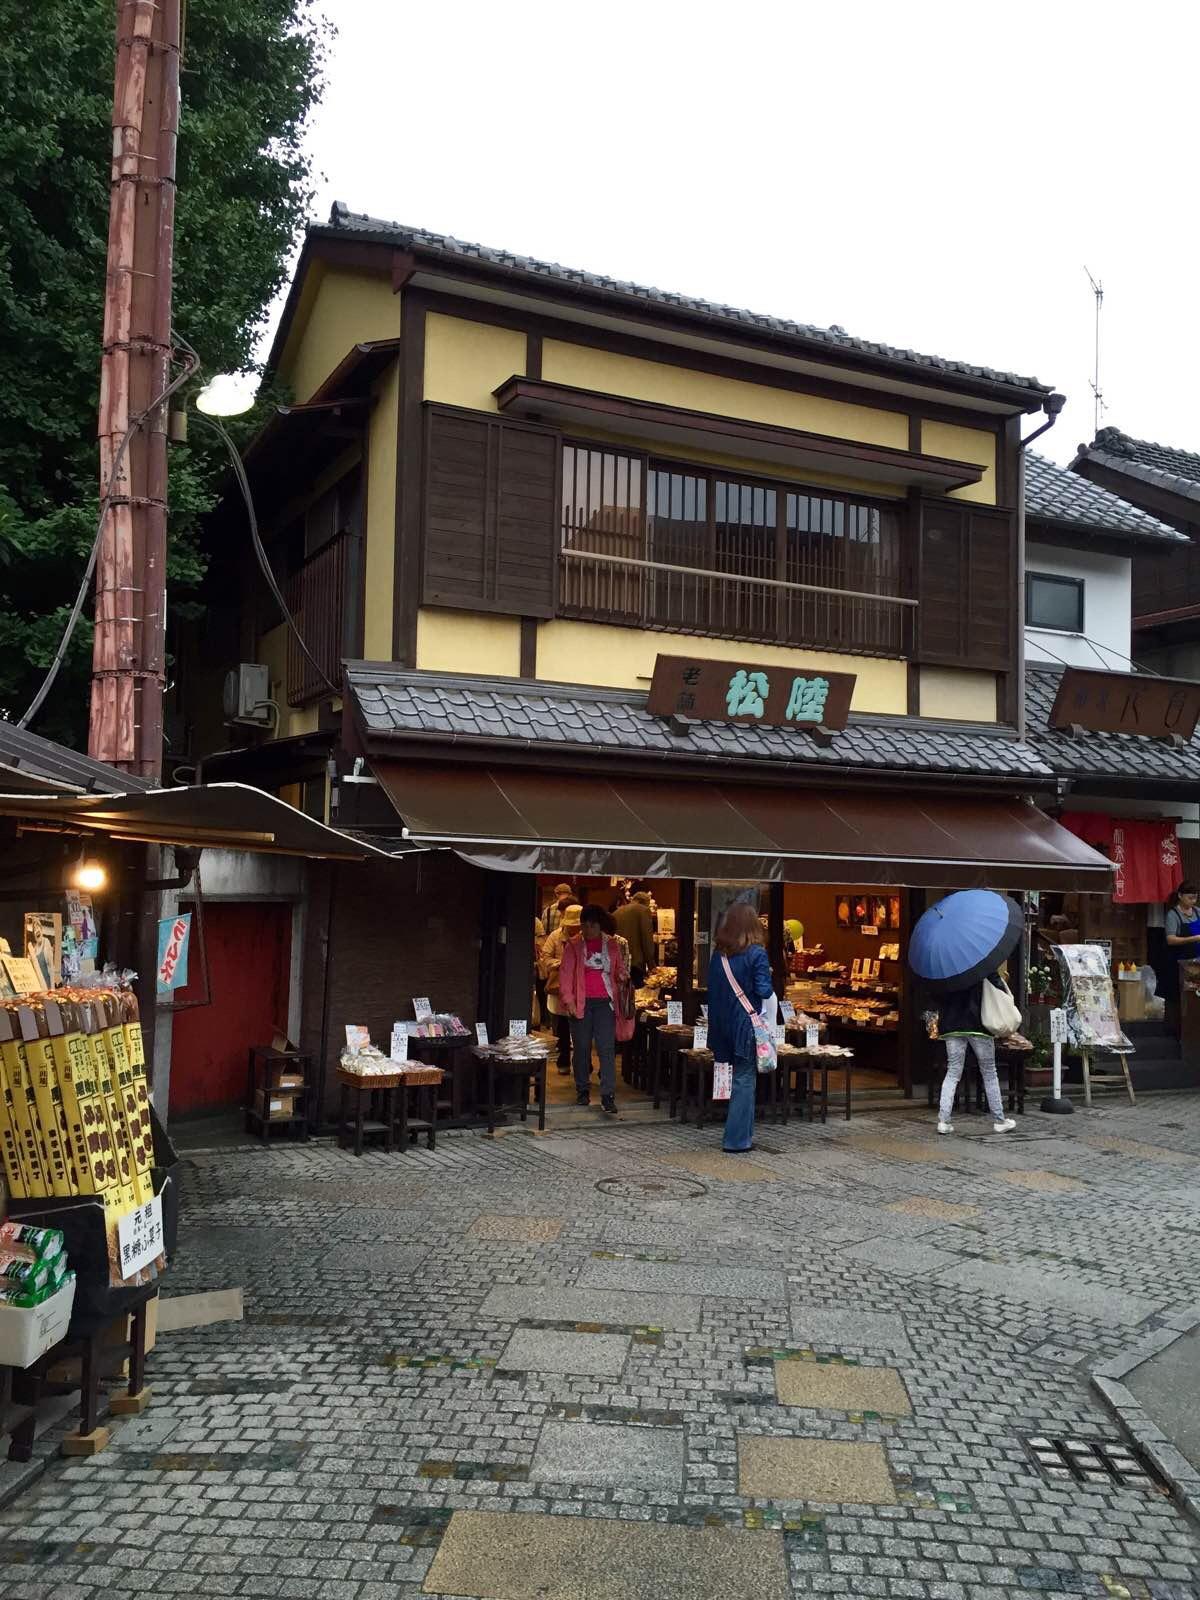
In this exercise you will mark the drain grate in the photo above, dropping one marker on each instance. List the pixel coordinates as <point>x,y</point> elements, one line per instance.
<point>1094,1462</point>
<point>652,1188</point>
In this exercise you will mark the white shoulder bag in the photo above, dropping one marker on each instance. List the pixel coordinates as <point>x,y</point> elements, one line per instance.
<point>998,1011</point>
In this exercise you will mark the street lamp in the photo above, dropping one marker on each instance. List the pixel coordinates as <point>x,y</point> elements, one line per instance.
<point>229,394</point>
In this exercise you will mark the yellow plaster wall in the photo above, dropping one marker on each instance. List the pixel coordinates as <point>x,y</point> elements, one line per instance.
<point>623,658</point>
<point>467,641</point>
<point>339,310</point>
<point>465,361</point>
<point>964,444</point>
<point>958,694</point>
<point>585,368</point>
<point>272,654</point>
<point>380,554</point>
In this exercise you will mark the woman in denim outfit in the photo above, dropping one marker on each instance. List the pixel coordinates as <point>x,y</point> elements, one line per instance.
<point>730,1036</point>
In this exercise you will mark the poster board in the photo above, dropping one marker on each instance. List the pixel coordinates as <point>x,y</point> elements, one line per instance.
<point>1093,1022</point>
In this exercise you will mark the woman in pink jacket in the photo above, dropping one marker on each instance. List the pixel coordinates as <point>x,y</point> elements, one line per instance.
<point>594,987</point>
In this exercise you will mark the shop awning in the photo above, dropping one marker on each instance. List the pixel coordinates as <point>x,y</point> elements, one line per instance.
<point>523,820</point>
<point>226,816</point>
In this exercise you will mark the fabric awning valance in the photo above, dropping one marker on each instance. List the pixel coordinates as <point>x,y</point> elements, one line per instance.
<point>521,820</point>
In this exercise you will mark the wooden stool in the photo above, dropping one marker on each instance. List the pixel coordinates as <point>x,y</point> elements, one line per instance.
<point>1115,1080</point>
<point>359,1090</point>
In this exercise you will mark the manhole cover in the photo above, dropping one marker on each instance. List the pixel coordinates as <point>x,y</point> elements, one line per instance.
<point>652,1188</point>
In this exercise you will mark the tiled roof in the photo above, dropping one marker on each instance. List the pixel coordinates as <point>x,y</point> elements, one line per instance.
<point>1101,755</point>
<point>398,704</point>
<point>1055,494</point>
<point>342,220</point>
<point>29,761</point>
<point>1177,471</point>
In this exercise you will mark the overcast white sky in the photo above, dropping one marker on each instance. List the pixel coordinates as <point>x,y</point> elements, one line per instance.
<point>932,175</point>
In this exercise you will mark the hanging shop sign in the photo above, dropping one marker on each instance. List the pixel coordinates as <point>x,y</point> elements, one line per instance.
<point>173,934</point>
<point>741,691</point>
<point>1126,702</point>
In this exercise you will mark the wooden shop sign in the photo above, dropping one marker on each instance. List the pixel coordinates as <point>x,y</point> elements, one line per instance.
<point>1126,702</point>
<point>772,696</point>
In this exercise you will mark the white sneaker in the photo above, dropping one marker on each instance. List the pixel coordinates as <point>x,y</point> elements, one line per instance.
<point>945,1127</point>
<point>1004,1127</point>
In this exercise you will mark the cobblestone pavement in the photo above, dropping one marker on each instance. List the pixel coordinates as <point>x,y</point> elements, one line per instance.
<point>617,1363</point>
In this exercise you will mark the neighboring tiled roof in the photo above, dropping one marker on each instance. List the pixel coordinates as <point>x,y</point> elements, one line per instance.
<point>1101,755</point>
<point>399,704</point>
<point>342,220</point>
<point>29,761</point>
<point>1177,471</point>
<point>1055,494</point>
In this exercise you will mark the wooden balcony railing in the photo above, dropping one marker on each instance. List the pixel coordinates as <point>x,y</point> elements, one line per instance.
<point>681,599</point>
<point>321,596</point>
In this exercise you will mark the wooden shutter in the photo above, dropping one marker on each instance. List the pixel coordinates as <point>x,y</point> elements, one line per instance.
<point>967,586</point>
<point>491,514</point>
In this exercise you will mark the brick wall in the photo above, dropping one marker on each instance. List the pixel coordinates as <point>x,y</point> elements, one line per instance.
<point>400,930</point>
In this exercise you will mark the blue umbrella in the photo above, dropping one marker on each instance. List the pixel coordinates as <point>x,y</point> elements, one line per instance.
<point>963,938</point>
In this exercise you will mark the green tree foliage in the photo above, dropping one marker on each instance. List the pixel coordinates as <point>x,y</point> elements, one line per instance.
<point>252,71</point>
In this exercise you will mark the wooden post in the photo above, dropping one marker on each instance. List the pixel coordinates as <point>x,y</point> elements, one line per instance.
<point>685,939</point>
<point>775,938</point>
<point>128,655</point>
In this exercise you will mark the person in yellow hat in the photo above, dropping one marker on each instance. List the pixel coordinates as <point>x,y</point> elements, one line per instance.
<point>550,967</point>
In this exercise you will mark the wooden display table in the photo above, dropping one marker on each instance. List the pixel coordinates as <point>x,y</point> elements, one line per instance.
<point>265,1063</point>
<point>529,1071</point>
<point>373,1103</point>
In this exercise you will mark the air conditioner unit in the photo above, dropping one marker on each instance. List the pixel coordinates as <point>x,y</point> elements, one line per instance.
<point>247,695</point>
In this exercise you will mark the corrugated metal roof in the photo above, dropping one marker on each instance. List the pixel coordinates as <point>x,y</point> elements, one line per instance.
<point>27,756</point>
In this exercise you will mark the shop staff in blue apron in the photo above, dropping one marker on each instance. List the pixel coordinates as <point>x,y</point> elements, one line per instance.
<point>1183,940</point>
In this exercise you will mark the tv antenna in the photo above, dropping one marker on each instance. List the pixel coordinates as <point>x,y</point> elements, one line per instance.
<point>1097,392</point>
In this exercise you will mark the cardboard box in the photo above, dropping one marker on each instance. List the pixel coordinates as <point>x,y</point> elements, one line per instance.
<point>1131,997</point>
<point>275,1106</point>
<point>289,1080</point>
<point>27,1333</point>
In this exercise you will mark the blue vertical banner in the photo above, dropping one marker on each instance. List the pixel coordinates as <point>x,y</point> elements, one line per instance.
<point>174,934</point>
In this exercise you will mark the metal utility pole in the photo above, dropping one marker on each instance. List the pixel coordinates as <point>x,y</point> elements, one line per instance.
<point>1098,291</point>
<point>128,656</point>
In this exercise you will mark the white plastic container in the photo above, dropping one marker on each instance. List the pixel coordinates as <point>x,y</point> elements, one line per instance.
<point>26,1332</point>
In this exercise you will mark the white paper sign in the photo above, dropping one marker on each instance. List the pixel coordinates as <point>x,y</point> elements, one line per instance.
<point>787,1010</point>
<point>704,1012</point>
<point>140,1236</point>
<point>700,1039</point>
<point>722,1080</point>
<point>811,1035</point>
<point>422,1008</point>
<point>780,1034</point>
<point>517,1030</point>
<point>1058,1027</point>
<point>399,1050</point>
<point>481,1033</point>
<point>674,1013</point>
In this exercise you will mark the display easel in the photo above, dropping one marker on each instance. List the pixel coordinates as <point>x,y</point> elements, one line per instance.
<point>1093,1020</point>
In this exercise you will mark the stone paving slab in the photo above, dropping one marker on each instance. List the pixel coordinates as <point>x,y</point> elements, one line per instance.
<point>513,1302</point>
<point>817,1471</point>
<point>529,1556</point>
<point>821,1386</point>
<point>730,1169</point>
<point>1043,1182</point>
<point>849,1328</point>
<point>586,1354</point>
<point>516,1230</point>
<point>609,1454</point>
<point>902,1257</point>
<point>927,1205</point>
<point>737,1283</point>
<point>1043,1287</point>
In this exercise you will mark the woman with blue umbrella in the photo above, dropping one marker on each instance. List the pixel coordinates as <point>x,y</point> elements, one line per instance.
<point>956,948</point>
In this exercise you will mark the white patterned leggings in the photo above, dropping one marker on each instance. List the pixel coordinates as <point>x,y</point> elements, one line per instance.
<point>956,1059</point>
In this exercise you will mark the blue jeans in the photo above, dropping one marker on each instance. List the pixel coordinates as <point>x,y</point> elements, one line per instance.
<point>739,1119</point>
<point>598,1023</point>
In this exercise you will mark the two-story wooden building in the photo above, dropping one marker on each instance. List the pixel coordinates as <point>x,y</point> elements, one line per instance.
<point>615,583</point>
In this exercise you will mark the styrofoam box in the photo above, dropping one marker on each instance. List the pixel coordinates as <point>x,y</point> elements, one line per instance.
<point>26,1332</point>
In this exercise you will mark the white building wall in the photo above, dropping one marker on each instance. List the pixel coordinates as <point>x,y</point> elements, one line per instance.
<point>1107,599</point>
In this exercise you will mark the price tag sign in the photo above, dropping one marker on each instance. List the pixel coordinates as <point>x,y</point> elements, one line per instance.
<point>422,1009</point>
<point>140,1236</point>
<point>1058,1027</point>
<point>704,1012</point>
<point>518,1030</point>
<point>787,1010</point>
<point>722,1080</point>
<point>675,1013</point>
<point>357,1037</point>
<point>399,1050</point>
<point>780,1034</point>
<point>811,1035</point>
<point>481,1033</point>
<point>700,1039</point>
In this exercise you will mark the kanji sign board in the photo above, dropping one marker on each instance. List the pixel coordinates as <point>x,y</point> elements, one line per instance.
<point>773,696</point>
